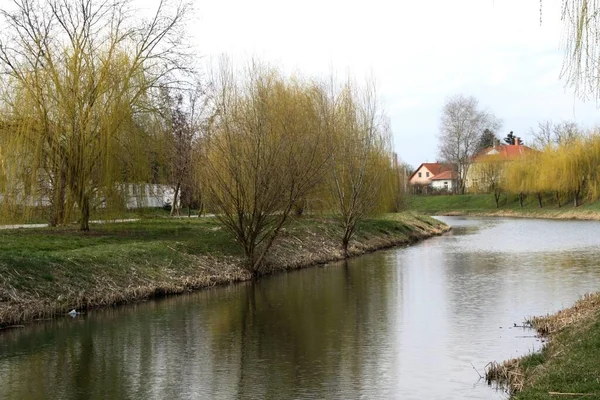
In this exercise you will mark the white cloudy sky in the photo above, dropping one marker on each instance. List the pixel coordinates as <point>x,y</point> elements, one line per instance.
<point>420,52</point>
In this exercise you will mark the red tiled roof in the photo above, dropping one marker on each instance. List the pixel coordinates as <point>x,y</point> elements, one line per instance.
<point>434,168</point>
<point>508,152</point>
<point>445,175</point>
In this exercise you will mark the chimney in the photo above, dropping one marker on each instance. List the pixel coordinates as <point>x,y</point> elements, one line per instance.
<point>517,140</point>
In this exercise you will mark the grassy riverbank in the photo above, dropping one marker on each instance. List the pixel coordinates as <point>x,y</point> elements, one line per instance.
<point>45,272</point>
<point>484,205</point>
<point>568,366</point>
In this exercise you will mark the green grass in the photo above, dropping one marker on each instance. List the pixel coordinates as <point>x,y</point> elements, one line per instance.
<point>32,259</point>
<point>484,203</point>
<point>570,364</point>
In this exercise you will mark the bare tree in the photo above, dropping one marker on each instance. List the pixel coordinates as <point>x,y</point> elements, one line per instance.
<point>184,113</point>
<point>554,134</point>
<point>544,136</point>
<point>462,124</point>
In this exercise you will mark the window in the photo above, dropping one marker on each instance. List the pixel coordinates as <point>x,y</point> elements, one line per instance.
<point>427,174</point>
<point>446,184</point>
<point>419,174</point>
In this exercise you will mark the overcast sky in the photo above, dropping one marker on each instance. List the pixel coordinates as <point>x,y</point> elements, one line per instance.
<point>420,52</point>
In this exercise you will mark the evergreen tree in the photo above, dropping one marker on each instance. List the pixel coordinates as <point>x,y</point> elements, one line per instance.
<point>511,139</point>
<point>486,140</point>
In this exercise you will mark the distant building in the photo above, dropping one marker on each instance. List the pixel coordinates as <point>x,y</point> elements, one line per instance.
<point>425,178</point>
<point>444,181</point>
<point>475,181</point>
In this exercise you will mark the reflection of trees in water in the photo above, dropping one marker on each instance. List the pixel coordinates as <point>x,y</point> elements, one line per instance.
<point>313,330</point>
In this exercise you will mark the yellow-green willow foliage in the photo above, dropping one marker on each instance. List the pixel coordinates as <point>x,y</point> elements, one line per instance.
<point>360,157</point>
<point>278,145</point>
<point>79,81</point>
<point>522,177</point>
<point>581,46</point>
<point>569,171</point>
<point>262,155</point>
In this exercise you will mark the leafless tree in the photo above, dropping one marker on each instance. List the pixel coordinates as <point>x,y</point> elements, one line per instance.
<point>554,134</point>
<point>462,124</point>
<point>184,112</point>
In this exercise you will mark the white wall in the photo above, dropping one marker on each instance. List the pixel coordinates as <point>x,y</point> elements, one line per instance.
<point>439,184</point>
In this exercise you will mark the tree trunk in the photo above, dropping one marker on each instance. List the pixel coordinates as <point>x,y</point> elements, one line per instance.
<point>497,199</point>
<point>558,199</point>
<point>521,198</point>
<point>175,196</point>
<point>539,197</point>
<point>84,224</point>
<point>345,242</point>
<point>348,232</point>
<point>250,264</point>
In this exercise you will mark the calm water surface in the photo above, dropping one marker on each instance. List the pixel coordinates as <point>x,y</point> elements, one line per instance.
<point>405,324</point>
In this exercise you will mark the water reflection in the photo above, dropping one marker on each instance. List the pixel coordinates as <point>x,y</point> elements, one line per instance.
<point>405,323</point>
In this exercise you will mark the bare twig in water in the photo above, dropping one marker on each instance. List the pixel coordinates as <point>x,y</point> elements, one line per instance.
<point>480,376</point>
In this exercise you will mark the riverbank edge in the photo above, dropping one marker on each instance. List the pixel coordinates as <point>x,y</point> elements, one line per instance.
<point>287,255</point>
<point>564,334</point>
<point>567,214</point>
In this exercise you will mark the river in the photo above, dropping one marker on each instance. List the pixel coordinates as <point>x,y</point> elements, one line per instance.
<point>406,323</point>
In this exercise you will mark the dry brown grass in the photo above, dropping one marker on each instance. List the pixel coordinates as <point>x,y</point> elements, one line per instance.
<point>508,374</point>
<point>582,310</point>
<point>104,292</point>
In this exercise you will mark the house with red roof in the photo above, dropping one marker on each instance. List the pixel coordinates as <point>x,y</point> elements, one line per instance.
<point>476,180</point>
<point>437,176</point>
<point>444,181</point>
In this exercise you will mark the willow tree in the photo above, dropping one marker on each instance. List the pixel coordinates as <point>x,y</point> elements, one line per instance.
<point>359,146</point>
<point>581,45</point>
<point>580,165</point>
<point>262,156</point>
<point>521,177</point>
<point>83,70</point>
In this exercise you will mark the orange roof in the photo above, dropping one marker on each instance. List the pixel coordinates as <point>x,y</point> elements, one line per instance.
<point>434,168</point>
<point>508,152</point>
<point>445,175</point>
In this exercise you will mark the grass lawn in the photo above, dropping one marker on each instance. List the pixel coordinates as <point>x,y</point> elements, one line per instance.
<point>509,205</point>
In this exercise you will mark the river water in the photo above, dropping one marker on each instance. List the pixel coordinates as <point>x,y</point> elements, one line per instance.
<point>406,323</point>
